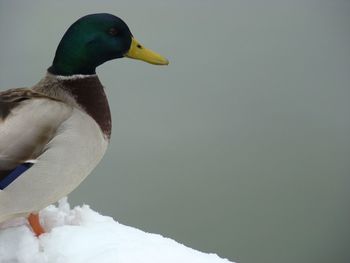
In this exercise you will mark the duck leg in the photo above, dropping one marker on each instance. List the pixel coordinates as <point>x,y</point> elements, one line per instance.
<point>34,222</point>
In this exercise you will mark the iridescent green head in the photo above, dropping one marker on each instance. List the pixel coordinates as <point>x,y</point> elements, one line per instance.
<point>95,39</point>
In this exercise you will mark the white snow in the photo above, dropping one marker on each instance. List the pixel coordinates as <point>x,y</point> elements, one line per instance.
<point>81,235</point>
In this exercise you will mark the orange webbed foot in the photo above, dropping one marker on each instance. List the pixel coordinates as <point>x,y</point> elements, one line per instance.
<point>34,222</point>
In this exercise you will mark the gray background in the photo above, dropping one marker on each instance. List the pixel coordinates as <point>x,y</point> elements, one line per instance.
<point>241,146</point>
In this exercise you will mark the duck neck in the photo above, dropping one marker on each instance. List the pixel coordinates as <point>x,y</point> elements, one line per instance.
<point>69,66</point>
<point>70,61</point>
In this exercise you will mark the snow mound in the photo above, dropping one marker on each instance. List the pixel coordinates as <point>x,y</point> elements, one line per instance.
<point>81,235</point>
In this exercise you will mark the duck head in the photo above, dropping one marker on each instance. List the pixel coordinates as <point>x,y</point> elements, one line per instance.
<point>95,39</point>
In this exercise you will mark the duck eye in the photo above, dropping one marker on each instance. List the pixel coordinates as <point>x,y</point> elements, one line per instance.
<point>113,31</point>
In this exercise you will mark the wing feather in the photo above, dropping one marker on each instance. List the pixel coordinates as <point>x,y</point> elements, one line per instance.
<point>28,121</point>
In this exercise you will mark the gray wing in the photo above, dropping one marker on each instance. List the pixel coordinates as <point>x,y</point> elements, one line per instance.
<point>28,121</point>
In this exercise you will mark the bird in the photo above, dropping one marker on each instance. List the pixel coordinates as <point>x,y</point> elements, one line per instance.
<point>53,134</point>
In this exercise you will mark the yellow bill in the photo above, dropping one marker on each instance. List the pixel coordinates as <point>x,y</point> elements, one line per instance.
<point>138,51</point>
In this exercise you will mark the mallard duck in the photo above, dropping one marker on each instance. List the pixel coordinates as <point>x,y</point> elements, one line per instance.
<point>54,134</point>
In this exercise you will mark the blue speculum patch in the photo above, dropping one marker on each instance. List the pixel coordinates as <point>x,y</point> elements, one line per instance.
<point>14,174</point>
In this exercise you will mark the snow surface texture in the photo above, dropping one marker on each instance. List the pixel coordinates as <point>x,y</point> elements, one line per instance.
<point>81,235</point>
